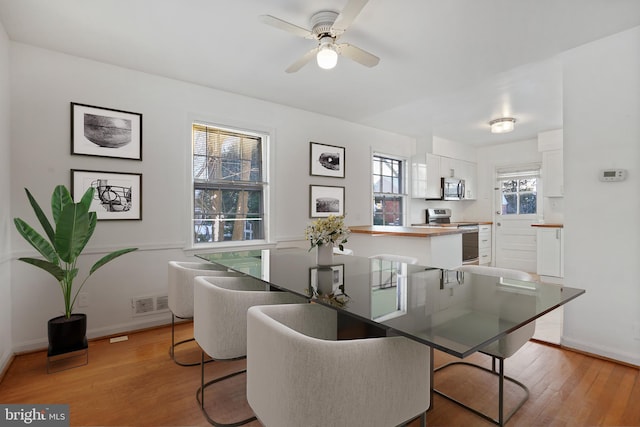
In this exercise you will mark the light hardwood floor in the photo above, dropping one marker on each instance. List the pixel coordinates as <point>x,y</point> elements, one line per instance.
<point>134,383</point>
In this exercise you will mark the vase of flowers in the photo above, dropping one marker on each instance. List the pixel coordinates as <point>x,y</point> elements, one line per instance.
<point>324,234</point>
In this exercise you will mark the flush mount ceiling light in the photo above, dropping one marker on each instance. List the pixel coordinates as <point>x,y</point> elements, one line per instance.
<point>502,125</point>
<point>327,56</point>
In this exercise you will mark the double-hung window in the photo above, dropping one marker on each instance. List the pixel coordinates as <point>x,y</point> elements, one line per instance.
<point>389,198</point>
<point>519,191</point>
<point>229,184</point>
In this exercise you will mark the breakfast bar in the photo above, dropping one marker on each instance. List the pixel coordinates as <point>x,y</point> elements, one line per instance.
<point>434,246</point>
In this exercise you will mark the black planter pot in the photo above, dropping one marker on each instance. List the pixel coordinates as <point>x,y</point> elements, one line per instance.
<point>67,334</point>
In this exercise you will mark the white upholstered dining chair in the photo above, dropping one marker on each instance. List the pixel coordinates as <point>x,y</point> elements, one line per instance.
<point>220,322</point>
<point>180,295</point>
<point>299,375</point>
<point>499,350</point>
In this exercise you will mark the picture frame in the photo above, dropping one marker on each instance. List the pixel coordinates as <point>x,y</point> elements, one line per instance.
<point>105,132</point>
<point>326,160</point>
<point>326,200</point>
<point>118,195</point>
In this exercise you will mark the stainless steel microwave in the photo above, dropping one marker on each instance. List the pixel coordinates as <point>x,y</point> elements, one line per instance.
<point>452,189</point>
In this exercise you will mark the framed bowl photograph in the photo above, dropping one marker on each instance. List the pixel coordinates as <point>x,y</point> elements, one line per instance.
<point>105,132</point>
<point>326,160</point>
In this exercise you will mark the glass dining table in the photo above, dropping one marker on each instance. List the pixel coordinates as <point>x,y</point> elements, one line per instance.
<point>455,312</point>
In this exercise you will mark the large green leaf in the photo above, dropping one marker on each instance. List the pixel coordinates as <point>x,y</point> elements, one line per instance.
<point>93,220</point>
<point>72,228</point>
<point>105,259</point>
<point>53,269</point>
<point>87,198</point>
<point>44,221</point>
<point>59,200</point>
<point>36,240</point>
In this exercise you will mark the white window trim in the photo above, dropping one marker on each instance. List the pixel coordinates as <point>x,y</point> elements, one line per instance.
<point>267,168</point>
<point>405,177</point>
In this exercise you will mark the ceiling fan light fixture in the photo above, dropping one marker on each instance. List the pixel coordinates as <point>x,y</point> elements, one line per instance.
<point>327,56</point>
<point>502,125</point>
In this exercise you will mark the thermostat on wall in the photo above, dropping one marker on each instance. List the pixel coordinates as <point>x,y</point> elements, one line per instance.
<point>610,175</point>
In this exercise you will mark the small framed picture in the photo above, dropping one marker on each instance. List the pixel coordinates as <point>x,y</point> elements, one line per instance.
<point>97,131</point>
<point>325,201</point>
<point>326,160</point>
<point>118,195</point>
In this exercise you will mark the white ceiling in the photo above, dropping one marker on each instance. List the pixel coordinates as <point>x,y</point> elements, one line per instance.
<point>447,66</point>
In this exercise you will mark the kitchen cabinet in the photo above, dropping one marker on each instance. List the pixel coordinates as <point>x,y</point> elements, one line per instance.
<point>484,244</point>
<point>461,169</point>
<point>427,170</point>
<point>550,248</point>
<point>552,173</point>
<point>425,176</point>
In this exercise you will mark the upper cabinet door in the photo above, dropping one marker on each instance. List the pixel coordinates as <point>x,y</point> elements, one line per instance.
<point>425,177</point>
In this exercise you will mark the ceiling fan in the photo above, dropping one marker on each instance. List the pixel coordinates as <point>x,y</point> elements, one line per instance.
<point>327,27</point>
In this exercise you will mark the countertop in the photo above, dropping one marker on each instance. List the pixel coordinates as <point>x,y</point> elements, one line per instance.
<point>404,231</point>
<point>548,225</point>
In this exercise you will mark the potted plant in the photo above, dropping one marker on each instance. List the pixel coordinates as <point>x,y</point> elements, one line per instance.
<point>72,228</point>
<point>324,234</point>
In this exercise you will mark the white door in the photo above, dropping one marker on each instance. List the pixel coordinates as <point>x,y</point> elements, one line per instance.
<point>517,207</point>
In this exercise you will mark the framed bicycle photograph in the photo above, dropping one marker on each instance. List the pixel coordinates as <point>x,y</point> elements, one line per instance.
<point>118,195</point>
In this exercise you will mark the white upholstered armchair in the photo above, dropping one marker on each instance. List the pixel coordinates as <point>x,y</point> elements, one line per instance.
<point>299,375</point>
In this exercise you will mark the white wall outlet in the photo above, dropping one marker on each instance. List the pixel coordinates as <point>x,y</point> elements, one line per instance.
<point>83,299</point>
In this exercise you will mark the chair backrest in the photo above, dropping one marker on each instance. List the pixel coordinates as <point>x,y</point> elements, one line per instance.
<point>396,258</point>
<point>220,312</point>
<point>180,283</point>
<point>345,251</point>
<point>510,344</point>
<point>297,374</point>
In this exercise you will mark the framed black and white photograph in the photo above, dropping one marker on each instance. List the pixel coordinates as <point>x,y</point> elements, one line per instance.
<point>326,200</point>
<point>326,160</point>
<point>97,131</point>
<point>118,195</point>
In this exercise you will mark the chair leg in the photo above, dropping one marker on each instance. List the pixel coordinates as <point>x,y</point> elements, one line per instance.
<point>200,395</point>
<point>175,344</point>
<point>502,419</point>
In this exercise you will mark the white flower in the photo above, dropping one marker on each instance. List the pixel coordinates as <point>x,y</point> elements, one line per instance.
<point>327,231</point>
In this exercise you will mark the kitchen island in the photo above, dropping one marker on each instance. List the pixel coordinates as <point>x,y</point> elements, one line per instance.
<point>433,246</point>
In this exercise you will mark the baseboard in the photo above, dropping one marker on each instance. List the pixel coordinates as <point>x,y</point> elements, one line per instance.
<point>5,363</point>
<point>628,359</point>
<point>98,333</point>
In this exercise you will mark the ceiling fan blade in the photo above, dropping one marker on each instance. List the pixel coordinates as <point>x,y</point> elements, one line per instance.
<point>360,56</point>
<point>286,26</point>
<point>302,61</point>
<point>348,14</point>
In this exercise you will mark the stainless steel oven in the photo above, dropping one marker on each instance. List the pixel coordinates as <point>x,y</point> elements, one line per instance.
<point>470,252</point>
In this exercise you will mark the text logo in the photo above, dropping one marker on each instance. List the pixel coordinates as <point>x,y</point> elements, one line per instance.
<point>34,415</point>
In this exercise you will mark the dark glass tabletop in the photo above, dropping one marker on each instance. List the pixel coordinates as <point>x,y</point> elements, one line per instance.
<point>455,312</point>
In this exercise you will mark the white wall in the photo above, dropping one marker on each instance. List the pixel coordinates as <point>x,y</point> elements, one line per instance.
<point>490,158</point>
<point>43,85</point>
<point>5,218</point>
<point>602,220</point>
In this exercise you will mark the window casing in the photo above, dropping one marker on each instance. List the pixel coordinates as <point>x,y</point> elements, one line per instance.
<point>229,186</point>
<point>519,192</point>
<point>389,198</point>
